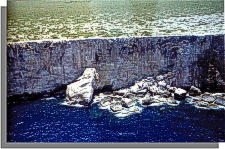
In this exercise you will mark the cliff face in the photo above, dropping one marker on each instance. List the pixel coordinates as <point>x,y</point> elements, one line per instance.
<point>41,66</point>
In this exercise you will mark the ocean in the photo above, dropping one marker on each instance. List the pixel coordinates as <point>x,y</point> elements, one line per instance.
<point>48,120</point>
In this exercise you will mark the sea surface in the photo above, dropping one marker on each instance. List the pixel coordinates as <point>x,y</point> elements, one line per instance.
<point>72,19</point>
<point>48,120</point>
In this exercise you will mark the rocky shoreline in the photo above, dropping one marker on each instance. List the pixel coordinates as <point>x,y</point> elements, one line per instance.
<point>151,91</point>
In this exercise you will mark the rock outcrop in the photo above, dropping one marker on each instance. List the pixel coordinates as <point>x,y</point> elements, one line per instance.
<point>146,92</point>
<point>208,100</point>
<point>81,91</point>
<point>155,91</point>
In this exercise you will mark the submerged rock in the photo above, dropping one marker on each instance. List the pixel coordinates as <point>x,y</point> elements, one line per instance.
<point>81,91</point>
<point>180,94</point>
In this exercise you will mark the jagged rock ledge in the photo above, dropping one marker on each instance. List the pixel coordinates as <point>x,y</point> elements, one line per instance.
<point>151,91</point>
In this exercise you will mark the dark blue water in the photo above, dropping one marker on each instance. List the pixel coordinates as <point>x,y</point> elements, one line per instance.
<point>50,121</point>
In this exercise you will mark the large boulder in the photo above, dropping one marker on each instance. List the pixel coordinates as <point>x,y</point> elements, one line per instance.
<point>180,94</point>
<point>81,91</point>
<point>194,91</point>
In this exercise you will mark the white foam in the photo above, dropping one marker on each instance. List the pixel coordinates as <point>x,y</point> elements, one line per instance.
<point>75,105</point>
<point>129,111</point>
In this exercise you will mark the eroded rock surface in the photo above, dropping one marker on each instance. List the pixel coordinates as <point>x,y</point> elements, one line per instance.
<point>81,91</point>
<point>155,91</point>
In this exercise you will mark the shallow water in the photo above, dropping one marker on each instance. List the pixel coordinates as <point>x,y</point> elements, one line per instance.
<point>49,120</point>
<point>54,19</point>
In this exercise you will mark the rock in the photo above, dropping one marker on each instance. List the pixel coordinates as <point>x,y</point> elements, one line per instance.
<point>127,102</point>
<point>168,86</point>
<point>115,99</point>
<point>147,100</point>
<point>116,107</point>
<point>202,104</point>
<point>162,83</point>
<point>220,101</point>
<point>161,91</point>
<point>172,101</point>
<point>140,84</point>
<point>106,101</point>
<point>142,92</point>
<point>169,74</point>
<point>218,94</point>
<point>180,94</point>
<point>194,91</point>
<point>134,109</point>
<point>121,92</point>
<point>81,91</point>
<point>194,99</point>
<point>206,94</point>
<point>129,95</point>
<point>150,79</point>
<point>162,99</point>
<point>213,106</point>
<point>159,78</point>
<point>172,89</point>
<point>166,94</point>
<point>153,89</point>
<point>146,85</point>
<point>208,99</point>
<point>134,89</point>
<point>99,97</point>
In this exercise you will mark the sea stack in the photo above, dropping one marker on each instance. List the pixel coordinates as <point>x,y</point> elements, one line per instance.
<point>81,91</point>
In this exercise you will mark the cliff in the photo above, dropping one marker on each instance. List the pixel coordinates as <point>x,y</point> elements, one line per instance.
<point>35,67</point>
